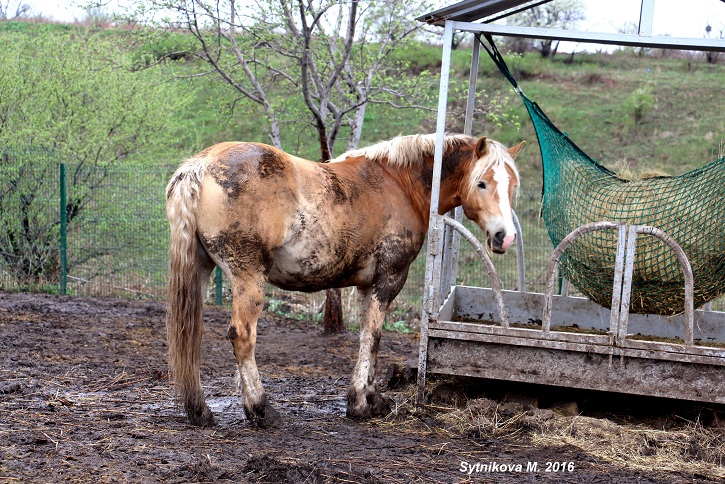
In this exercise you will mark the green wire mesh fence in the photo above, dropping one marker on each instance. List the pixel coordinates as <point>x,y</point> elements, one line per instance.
<point>116,237</point>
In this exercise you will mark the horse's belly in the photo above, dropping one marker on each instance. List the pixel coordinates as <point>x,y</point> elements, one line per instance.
<point>317,269</point>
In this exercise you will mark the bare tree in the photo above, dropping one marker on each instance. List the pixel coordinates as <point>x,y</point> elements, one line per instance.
<point>561,15</point>
<point>336,55</point>
<point>13,9</point>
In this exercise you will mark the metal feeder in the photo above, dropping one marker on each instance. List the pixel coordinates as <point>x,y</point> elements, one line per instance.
<point>557,339</point>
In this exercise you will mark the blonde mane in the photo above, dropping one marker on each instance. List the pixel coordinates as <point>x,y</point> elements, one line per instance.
<point>405,151</point>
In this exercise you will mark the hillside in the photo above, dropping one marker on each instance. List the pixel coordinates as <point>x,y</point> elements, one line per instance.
<point>654,111</point>
<point>641,112</point>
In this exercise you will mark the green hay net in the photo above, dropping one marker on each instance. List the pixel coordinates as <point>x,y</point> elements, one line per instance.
<point>690,208</point>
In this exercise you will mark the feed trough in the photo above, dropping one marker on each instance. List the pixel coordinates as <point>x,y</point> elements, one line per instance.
<point>570,341</point>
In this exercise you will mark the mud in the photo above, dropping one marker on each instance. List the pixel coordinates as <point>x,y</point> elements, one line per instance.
<point>85,396</point>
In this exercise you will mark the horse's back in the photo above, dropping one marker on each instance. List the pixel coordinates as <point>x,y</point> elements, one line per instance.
<point>311,225</point>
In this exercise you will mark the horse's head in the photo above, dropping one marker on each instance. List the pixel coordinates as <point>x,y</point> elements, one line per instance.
<point>488,192</point>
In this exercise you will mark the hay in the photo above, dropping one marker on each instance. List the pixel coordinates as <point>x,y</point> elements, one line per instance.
<point>687,447</point>
<point>691,448</point>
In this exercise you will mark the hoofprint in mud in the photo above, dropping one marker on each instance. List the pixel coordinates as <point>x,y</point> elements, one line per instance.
<point>262,216</point>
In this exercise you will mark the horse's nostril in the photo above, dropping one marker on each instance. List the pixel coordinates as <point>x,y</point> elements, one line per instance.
<point>499,236</point>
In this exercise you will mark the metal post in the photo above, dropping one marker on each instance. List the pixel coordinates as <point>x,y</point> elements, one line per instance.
<point>616,306</point>
<point>63,232</point>
<point>646,17</point>
<point>626,285</point>
<point>452,244</point>
<point>435,227</point>
<point>218,274</point>
<point>520,266</point>
<point>472,80</point>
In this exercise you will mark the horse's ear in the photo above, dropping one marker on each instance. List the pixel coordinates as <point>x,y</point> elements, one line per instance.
<point>514,150</point>
<point>481,147</point>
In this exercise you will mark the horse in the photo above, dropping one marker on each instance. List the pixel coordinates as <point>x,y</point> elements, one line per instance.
<point>265,216</point>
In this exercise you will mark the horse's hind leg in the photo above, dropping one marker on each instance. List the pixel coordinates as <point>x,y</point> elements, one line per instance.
<point>247,304</point>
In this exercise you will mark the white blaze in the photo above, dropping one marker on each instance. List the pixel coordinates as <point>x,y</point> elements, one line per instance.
<point>502,179</point>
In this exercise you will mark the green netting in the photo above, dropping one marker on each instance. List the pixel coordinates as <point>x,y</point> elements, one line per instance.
<point>690,208</point>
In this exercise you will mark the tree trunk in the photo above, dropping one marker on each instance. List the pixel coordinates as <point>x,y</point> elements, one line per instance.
<point>332,321</point>
<point>356,126</point>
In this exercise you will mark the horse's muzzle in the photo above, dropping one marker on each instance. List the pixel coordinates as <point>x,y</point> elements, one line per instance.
<point>500,242</point>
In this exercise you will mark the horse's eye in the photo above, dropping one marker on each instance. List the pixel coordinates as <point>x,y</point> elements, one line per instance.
<point>482,185</point>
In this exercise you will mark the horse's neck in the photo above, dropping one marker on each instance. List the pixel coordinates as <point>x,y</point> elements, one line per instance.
<point>417,181</point>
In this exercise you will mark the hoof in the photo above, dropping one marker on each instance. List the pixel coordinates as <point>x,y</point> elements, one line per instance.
<point>380,406</point>
<point>374,405</point>
<point>201,417</point>
<point>264,416</point>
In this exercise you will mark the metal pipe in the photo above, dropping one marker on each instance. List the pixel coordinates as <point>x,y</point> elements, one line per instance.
<point>432,265</point>
<point>652,41</point>
<point>490,268</point>
<point>520,266</point>
<point>616,304</point>
<point>554,263</point>
<point>687,273</point>
<point>627,285</point>
<point>646,17</point>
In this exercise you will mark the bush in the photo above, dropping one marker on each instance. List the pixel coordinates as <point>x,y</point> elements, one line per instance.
<point>639,103</point>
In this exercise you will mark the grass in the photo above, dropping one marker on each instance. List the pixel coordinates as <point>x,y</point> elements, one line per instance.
<point>682,128</point>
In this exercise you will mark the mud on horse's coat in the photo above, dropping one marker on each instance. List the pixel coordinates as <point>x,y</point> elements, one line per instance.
<point>262,216</point>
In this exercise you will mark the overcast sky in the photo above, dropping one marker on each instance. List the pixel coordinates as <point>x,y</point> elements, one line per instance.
<point>673,17</point>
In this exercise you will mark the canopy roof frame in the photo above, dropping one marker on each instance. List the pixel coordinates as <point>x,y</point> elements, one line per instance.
<point>466,12</point>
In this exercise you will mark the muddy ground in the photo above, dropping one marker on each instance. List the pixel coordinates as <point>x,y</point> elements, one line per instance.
<point>85,397</point>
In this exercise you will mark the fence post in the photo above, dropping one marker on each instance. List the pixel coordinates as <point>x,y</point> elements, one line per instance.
<point>63,231</point>
<point>218,286</point>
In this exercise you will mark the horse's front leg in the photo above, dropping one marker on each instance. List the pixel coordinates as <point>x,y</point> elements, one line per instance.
<point>363,397</point>
<point>247,304</point>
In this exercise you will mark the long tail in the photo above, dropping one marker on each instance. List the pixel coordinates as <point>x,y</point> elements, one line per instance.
<point>184,323</point>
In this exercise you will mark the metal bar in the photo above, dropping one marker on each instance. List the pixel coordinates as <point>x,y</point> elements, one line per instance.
<point>564,291</point>
<point>490,268</point>
<point>518,336</point>
<point>520,266</point>
<point>432,265</point>
<point>63,209</point>
<point>554,263</point>
<point>218,280</point>
<point>472,81</point>
<point>651,351</point>
<point>478,304</point>
<point>617,284</point>
<point>436,224</point>
<point>446,261</point>
<point>681,43</point>
<point>626,285</point>
<point>646,16</point>
<point>455,249</point>
<point>687,273</point>
<point>451,247</point>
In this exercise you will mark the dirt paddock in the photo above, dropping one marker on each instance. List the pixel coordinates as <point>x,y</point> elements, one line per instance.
<point>85,396</point>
